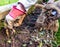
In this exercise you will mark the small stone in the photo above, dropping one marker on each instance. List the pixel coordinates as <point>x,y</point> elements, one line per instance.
<point>24,45</point>
<point>30,42</point>
<point>9,41</point>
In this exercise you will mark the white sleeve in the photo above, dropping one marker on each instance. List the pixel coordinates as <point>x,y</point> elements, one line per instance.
<point>27,3</point>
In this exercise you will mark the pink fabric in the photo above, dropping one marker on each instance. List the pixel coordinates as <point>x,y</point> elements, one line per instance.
<point>14,13</point>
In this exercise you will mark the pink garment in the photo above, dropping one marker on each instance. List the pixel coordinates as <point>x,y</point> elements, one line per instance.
<point>20,9</point>
<point>16,12</point>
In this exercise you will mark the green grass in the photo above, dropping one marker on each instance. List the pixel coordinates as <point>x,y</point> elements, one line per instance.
<point>4,2</point>
<point>58,35</point>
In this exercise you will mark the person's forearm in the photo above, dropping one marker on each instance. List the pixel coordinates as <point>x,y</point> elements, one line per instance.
<point>39,5</point>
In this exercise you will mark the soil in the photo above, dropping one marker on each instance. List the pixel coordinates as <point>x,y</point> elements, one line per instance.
<point>23,35</point>
<point>26,35</point>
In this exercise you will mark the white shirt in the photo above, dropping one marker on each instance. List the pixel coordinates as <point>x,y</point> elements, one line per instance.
<point>27,3</point>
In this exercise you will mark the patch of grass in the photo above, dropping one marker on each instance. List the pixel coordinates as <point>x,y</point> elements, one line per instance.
<point>58,34</point>
<point>1,25</point>
<point>4,2</point>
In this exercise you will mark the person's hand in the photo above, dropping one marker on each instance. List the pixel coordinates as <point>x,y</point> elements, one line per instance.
<point>50,6</point>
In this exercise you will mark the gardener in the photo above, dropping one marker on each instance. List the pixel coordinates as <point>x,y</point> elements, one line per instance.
<point>18,10</point>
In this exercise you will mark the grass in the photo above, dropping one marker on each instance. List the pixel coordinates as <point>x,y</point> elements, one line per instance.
<point>58,35</point>
<point>4,2</point>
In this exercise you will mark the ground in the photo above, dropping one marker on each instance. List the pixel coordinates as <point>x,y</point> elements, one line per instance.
<point>26,35</point>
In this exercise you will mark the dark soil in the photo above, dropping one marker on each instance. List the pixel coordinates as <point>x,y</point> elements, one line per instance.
<point>24,32</point>
<point>26,35</point>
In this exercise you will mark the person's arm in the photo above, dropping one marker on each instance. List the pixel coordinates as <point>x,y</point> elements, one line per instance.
<point>39,5</point>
